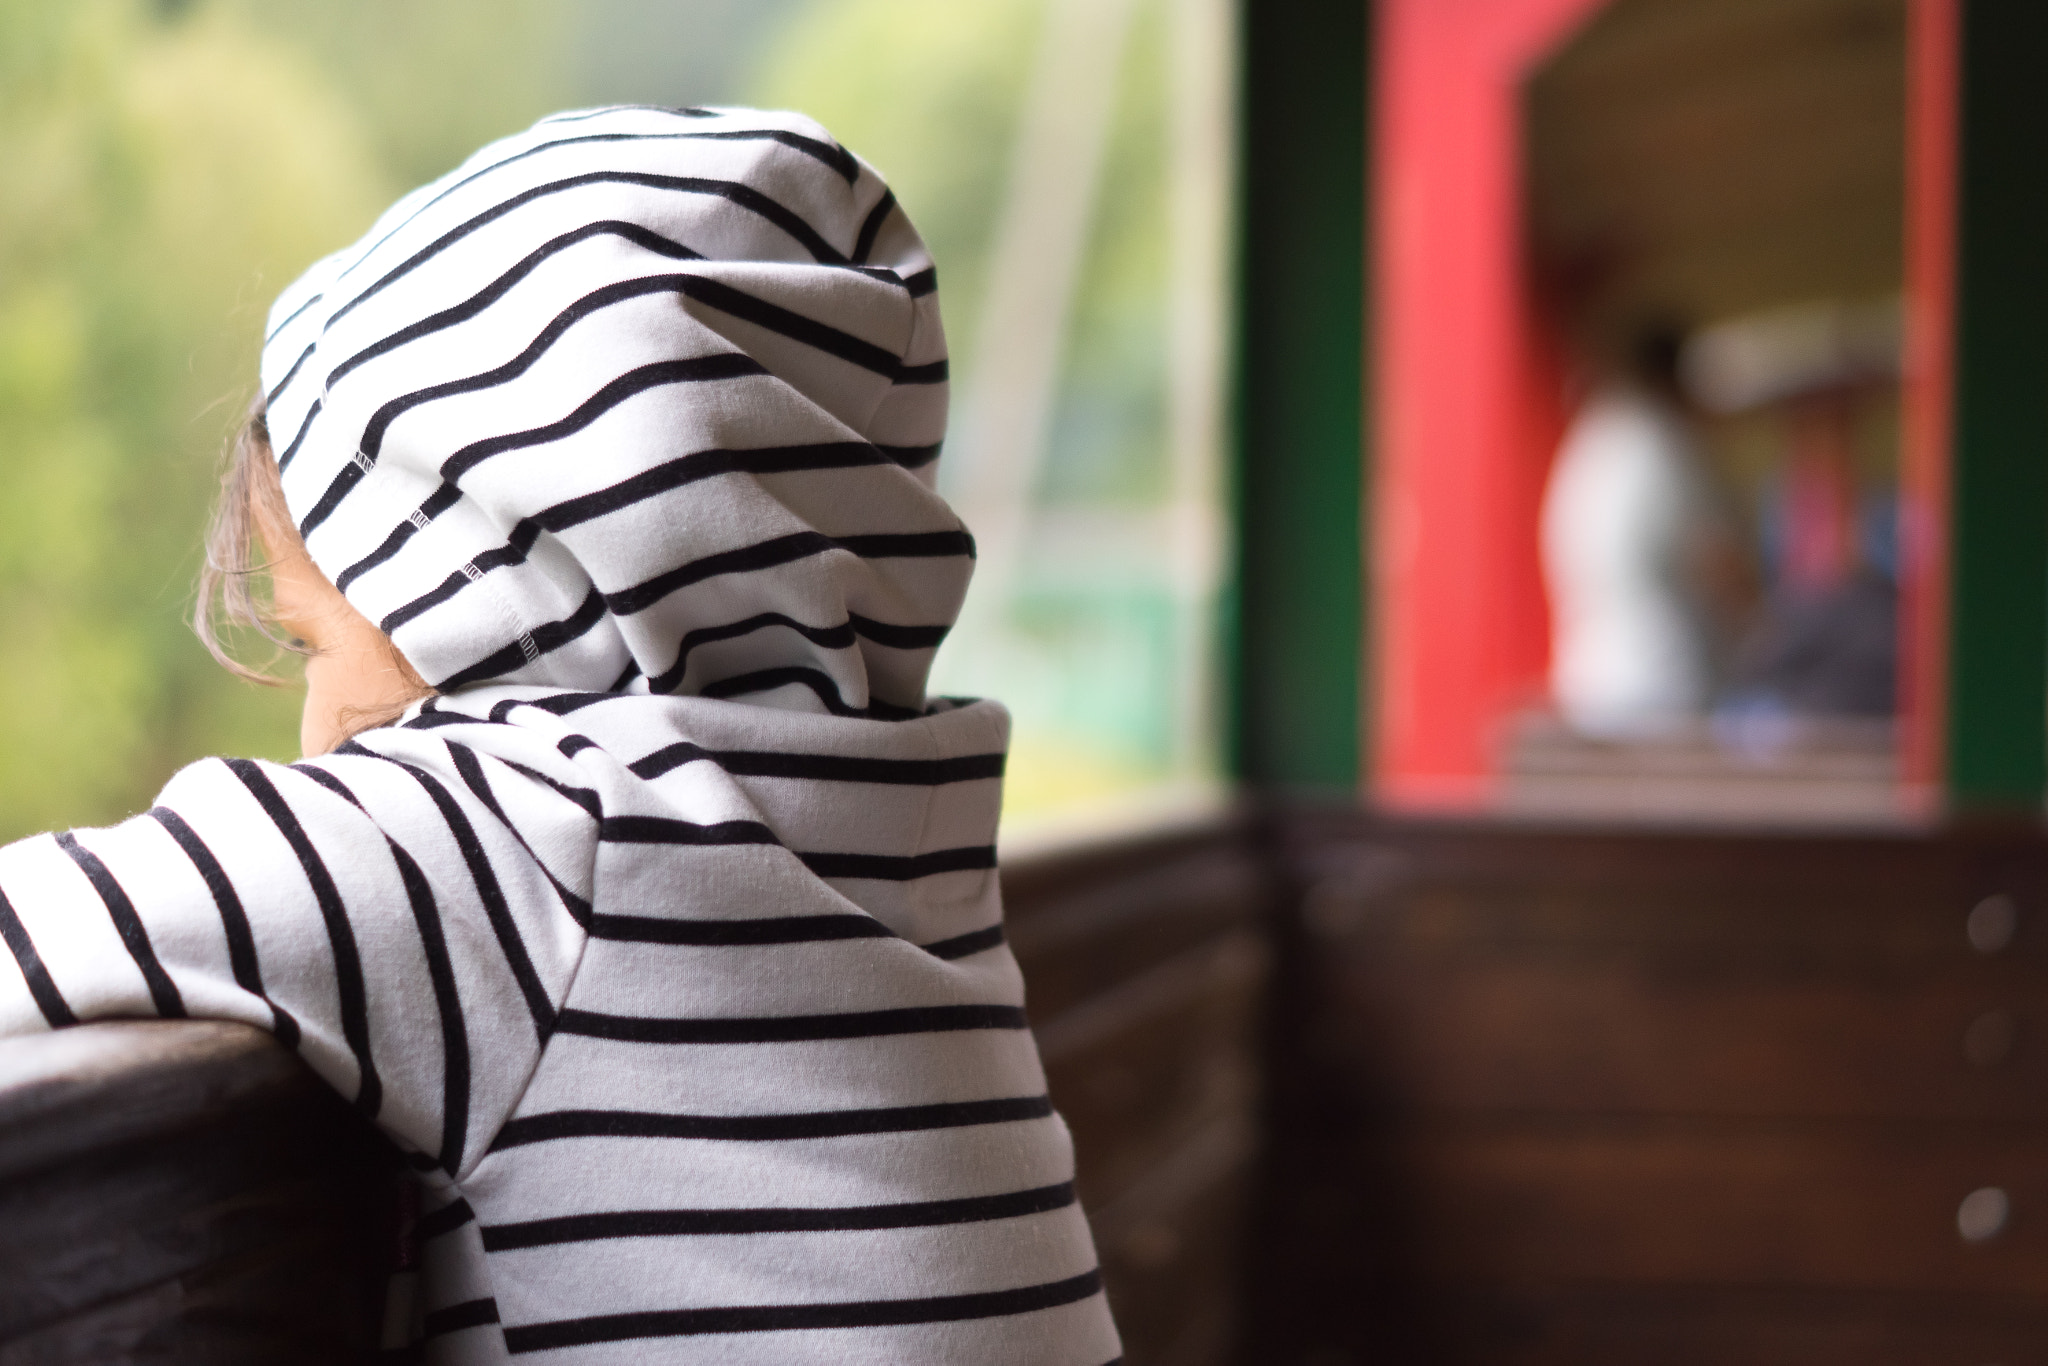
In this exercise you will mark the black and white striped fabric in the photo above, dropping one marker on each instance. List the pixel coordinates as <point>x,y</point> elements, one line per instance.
<point>668,937</point>
<point>637,398</point>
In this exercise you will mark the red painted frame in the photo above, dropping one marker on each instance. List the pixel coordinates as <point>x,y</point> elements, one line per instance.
<point>1933,62</point>
<point>1467,413</point>
<point>1470,402</point>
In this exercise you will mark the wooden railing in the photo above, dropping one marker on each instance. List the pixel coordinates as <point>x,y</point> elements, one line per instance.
<point>191,1192</point>
<point>1342,1090</point>
<point>1594,1097</point>
<point>181,1191</point>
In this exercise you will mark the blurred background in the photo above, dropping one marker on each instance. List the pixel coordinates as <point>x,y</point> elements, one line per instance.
<point>172,165</point>
<point>1515,533</point>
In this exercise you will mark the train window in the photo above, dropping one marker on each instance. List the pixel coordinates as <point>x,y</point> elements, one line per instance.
<point>1068,161</point>
<point>1714,199</point>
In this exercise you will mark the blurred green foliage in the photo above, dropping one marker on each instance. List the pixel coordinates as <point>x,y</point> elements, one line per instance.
<point>168,169</point>
<point>930,92</point>
<point>171,164</point>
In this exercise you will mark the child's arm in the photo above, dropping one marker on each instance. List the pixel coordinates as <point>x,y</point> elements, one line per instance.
<point>407,973</point>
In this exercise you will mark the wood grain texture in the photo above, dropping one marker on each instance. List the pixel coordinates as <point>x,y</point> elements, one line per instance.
<point>189,1192</point>
<point>184,1192</point>
<point>1146,969</point>
<point>1600,1098</point>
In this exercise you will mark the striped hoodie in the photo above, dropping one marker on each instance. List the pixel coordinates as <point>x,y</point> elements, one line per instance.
<point>666,939</point>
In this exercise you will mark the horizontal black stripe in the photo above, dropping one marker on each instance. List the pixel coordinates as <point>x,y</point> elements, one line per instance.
<point>708,464</point>
<point>922,283</point>
<point>915,545</point>
<point>712,292</point>
<point>692,370</point>
<point>840,637</point>
<point>750,763</point>
<point>617,292</point>
<point>787,929</point>
<point>935,373</point>
<point>898,1119</point>
<point>901,868</point>
<point>773,1318</point>
<point>444,1220</point>
<point>432,718</point>
<point>456,1317</point>
<point>586,138</point>
<point>781,550</point>
<point>911,457</point>
<point>669,758</point>
<point>812,333</point>
<point>649,483</point>
<point>644,238</point>
<point>663,830</point>
<point>563,703</point>
<point>964,945</point>
<point>745,196</point>
<point>830,153</point>
<point>687,1223</point>
<point>852,1024</point>
<point>821,684</point>
<point>547,638</point>
<point>709,291</point>
<point>719,365</point>
<point>478,174</point>
<point>898,636</point>
<point>770,930</point>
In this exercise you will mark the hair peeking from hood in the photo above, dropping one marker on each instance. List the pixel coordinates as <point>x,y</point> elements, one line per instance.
<point>638,400</point>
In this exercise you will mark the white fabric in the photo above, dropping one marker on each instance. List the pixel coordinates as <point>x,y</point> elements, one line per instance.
<point>1623,507</point>
<point>669,938</point>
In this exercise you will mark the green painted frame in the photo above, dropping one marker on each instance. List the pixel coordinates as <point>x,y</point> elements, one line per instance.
<point>1294,617</point>
<point>1997,638</point>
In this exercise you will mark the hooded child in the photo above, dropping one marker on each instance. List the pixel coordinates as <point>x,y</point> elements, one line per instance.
<point>661,925</point>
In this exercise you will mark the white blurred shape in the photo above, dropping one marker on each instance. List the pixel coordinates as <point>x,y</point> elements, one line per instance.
<point>1786,352</point>
<point>1625,499</point>
<point>1982,1215</point>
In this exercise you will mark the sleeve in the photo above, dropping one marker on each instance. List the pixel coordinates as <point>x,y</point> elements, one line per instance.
<point>371,914</point>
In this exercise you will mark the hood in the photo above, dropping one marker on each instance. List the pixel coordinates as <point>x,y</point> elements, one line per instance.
<point>640,400</point>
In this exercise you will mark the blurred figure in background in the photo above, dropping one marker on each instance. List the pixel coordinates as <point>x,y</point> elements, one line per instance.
<point>1825,642</point>
<point>1629,523</point>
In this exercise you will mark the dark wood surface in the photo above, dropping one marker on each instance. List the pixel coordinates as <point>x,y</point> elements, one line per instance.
<point>1569,1096</point>
<point>184,1192</point>
<point>1341,1092</point>
<point>1145,967</point>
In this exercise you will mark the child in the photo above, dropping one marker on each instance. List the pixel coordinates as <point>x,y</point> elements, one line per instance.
<point>631,883</point>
